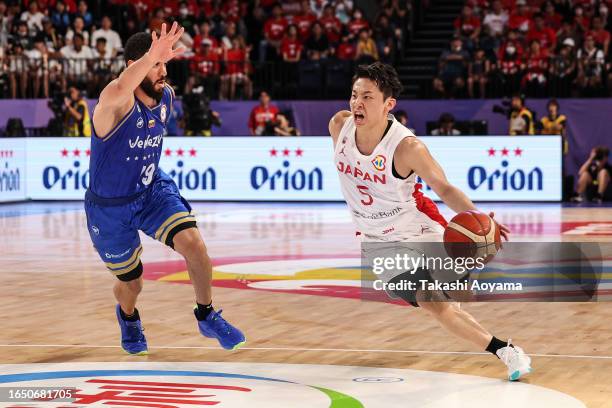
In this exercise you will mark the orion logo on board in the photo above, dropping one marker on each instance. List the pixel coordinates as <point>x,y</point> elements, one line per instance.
<point>286,177</point>
<point>504,175</point>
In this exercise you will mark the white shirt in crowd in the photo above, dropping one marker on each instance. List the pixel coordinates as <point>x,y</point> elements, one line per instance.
<point>113,41</point>
<point>70,36</point>
<point>496,22</point>
<point>75,66</point>
<point>34,21</point>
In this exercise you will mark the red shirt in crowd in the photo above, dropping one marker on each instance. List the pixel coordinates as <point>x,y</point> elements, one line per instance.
<point>290,48</point>
<point>346,51</point>
<point>546,37</point>
<point>231,10</point>
<point>355,26</point>
<point>537,63</point>
<point>275,28</point>
<point>600,36</point>
<point>303,23</point>
<point>235,61</point>
<point>467,26</point>
<point>206,64</point>
<point>332,27</point>
<point>520,22</point>
<point>197,43</point>
<point>260,116</point>
<point>553,21</point>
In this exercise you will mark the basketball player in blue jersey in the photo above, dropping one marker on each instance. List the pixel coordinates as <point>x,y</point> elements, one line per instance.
<point>128,191</point>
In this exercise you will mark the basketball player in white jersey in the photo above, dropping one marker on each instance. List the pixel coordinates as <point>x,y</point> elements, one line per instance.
<point>378,161</point>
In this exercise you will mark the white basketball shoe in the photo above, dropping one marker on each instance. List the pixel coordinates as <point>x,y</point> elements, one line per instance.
<point>516,360</point>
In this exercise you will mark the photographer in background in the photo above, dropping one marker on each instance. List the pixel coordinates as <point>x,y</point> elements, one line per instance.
<point>77,122</point>
<point>199,117</point>
<point>521,118</point>
<point>446,126</point>
<point>594,176</point>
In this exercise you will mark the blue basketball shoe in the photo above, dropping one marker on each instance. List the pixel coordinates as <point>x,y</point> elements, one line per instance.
<point>132,337</point>
<point>215,326</point>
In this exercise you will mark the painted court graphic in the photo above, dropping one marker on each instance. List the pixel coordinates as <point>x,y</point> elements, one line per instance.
<point>182,385</point>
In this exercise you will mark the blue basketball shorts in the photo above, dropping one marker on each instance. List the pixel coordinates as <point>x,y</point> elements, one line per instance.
<point>113,224</point>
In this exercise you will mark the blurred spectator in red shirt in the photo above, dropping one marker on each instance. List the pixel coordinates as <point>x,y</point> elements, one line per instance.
<point>552,19</point>
<point>521,18</point>
<point>262,114</point>
<point>467,26</point>
<point>230,34</point>
<point>331,24</point>
<point>346,50</point>
<point>304,21</point>
<point>204,34</point>
<point>291,47</point>
<point>536,67</point>
<point>236,70</point>
<point>546,36</point>
<point>291,8</point>
<point>274,31</point>
<point>600,34</point>
<point>206,69</point>
<point>356,24</point>
<point>511,66</point>
<point>159,17</point>
<point>582,22</point>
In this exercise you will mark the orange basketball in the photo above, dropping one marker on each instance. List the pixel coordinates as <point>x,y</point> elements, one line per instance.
<point>472,234</point>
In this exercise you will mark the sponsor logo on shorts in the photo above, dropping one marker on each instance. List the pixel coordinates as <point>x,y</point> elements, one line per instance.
<point>95,230</point>
<point>114,256</point>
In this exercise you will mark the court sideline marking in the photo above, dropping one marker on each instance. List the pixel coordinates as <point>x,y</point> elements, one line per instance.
<point>307,349</point>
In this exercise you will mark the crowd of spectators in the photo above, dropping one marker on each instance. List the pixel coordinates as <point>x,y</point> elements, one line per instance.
<point>49,45</point>
<point>541,48</point>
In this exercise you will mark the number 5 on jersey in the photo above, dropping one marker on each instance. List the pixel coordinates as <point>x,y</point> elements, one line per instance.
<point>363,190</point>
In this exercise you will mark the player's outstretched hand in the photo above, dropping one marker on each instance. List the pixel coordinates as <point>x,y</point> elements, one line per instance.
<point>161,47</point>
<point>503,230</point>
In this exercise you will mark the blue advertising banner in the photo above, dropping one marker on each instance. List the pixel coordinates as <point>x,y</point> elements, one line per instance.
<point>12,170</point>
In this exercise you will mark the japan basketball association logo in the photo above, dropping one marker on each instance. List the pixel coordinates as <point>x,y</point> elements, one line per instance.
<point>379,162</point>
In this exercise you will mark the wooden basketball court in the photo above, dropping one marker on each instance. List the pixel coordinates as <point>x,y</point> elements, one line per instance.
<point>56,303</point>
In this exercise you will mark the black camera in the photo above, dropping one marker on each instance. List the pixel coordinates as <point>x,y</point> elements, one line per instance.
<point>199,115</point>
<point>504,109</point>
<point>55,127</point>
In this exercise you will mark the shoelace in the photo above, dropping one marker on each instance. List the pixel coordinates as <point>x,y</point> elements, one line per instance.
<point>221,323</point>
<point>507,353</point>
<point>135,332</point>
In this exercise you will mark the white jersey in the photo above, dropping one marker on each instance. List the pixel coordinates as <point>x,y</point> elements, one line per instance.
<point>384,207</point>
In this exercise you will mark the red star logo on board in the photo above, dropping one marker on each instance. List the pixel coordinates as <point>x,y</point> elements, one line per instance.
<point>504,152</point>
<point>76,152</point>
<point>298,152</point>
<point>518,151</point>
<point>64,153</point>
<point>491,152</point>
<point>286,152</point>
<point>273,152</point>
<point>192,152</point>
<point>168,152</point>
<point>180,152</point>
<point>87,152</point>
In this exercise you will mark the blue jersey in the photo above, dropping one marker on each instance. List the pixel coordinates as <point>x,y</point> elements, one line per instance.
<point>124,162</point>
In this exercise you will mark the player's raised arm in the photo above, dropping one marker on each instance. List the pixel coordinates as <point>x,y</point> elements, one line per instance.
<point>336,123</point>
<point>121,91</point>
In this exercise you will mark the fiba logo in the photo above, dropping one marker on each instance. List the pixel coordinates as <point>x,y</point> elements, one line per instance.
<point>379,162</point>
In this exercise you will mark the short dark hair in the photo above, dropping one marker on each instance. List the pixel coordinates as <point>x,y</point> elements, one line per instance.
<point>385,77</point>
<point>137,46</point>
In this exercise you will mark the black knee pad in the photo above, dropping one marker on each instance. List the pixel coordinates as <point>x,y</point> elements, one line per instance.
<point>183,226</point>
<point>131,275</point>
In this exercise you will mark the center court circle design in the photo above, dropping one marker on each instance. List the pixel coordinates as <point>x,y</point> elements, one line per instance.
<point>260,385</point>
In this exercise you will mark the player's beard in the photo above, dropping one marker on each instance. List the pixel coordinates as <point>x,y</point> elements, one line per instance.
<point>148,87</point>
